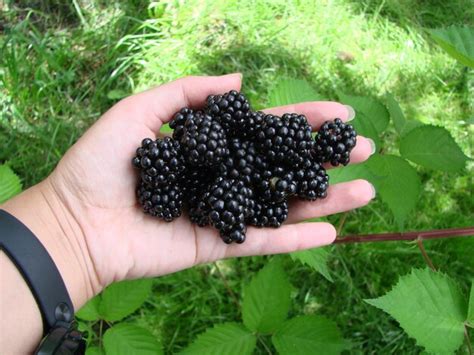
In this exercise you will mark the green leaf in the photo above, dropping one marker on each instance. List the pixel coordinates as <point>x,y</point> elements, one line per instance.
<point>470,312</point>
<point>266,299</point>
<point>117,94</point>
<point>402,125</point>
<point>397,184</point>
<point>223,339</point>
<point>10,183</point>
<point>316,258</point>
<point>372,116</point>
<point>90,311</point>
<point>309,335</point>
<point>94,350</point>
<point>434,148</point>
<point>351,172</point>
<point>130,339</point>
<point>430,307</point>
<point>123,298</point>
<point>292,91</point>
<point>458,42</point>
<point>166,128</point>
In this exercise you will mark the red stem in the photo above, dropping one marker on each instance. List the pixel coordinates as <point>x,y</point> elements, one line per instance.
<point>384,237</point>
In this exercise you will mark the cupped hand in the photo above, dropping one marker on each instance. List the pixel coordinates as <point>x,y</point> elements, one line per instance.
<point>96,183</point>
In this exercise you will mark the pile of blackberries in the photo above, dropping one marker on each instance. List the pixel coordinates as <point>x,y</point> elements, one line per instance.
<point>231,167</point>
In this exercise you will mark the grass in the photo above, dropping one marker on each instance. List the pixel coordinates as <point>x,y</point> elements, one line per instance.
<point>64,65</point>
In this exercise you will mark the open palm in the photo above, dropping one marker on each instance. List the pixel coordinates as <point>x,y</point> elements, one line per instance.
<point>96,182</point>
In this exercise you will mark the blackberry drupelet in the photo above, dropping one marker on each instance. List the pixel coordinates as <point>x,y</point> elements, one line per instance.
<point>312,182</point>
<point>203,140</point>
<point>334,142</point>
<point>178,120</point>
<point>230,109</point>
<point>165,202</point>
<point>160,161</point>
<point>285,140</point>
<point>269,215</point>
<point>231,203</point>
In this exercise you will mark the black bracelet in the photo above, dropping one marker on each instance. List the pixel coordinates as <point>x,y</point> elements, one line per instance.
<point>46,284</point>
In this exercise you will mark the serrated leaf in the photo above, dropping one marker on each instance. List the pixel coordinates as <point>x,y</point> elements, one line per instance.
<point>351,172</point>
<point>292,91</point>
<point>90,311</point>
<point>316,258</point>
<point>430,307</point>
<point>458,42</point>
<point>125,339</point>
<point>372,116</point>
<point>123,298</point>
<point>434,148</point>
<point>397,184</point>
<point>308,335</point>
<point>266,299</point>
<point>223,339</point>
<point>10,183</point>
<point>470,312</point>
<point>94,350</point>
<point>402,125</point>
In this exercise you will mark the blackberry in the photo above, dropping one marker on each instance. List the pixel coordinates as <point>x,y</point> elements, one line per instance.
<point>195,185</point>
<point>276,185</point>
<point>231,203</point>
<point>312,182</point>
<point>177,123</point>
<point>165,202</point>
<point>334,142</point>
<point>285,140</point>
<point>203,140</point>
<point>269,215</point>
<point>230,109</point>
<point>160,161</point>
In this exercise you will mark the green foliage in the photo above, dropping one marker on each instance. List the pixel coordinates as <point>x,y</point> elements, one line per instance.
<point>316,258</point>
<point>402,125</point>
<point>434,148</point>
<point>470,313</point>
<point>10,183</point>
<point>458,42</point>
<point>125,339</point>
<point>430,307</point>
<point>291,91</point>
<point>266,299</point>
<point>309,335</point>
<point>224,339</point>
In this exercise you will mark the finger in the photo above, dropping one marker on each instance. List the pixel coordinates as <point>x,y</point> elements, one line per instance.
<point>316,112</point>
<point>364,148</point>
<point>285,239</point>
<point>341,197</point>
<point>158,105</point>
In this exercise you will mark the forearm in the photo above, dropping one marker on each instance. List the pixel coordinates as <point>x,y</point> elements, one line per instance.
<point>40,209</point>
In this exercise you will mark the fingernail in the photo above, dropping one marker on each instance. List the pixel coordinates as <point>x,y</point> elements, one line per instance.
<point>373,148</point>
<point>374,192</point>
<point>351,114</point>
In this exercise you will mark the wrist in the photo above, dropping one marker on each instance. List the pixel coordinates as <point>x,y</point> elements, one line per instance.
<point>42,211</point>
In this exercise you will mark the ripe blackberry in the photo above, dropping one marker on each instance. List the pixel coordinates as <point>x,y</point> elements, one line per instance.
<point>160,161</point>
<point>334,142</point>
<point>195,187</point>
<point>276,184</point>
<point>312,182</point>
<point>178,120</point>
<point>269,215</point>
<point>165,202</point>
<point>203,140</point>
<point>285,140</point>
<point>230,109</point>
<point>230,202</point>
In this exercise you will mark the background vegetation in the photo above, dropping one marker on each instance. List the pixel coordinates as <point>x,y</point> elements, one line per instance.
<point>64,63</point>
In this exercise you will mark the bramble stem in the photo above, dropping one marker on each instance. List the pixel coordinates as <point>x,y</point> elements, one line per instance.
<point>419,242</point>
<point>385,237</point>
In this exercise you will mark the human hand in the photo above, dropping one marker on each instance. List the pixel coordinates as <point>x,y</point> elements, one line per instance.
<point>95,184</point>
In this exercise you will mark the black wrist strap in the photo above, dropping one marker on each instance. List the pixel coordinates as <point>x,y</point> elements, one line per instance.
<point>42,276</point>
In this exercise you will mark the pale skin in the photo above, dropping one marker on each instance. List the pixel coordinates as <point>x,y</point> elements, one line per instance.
<point>86,215</point>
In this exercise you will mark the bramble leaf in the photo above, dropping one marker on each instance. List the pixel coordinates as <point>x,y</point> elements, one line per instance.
<point>266,299</point>
<point>434,148</point>
<point>90,311</point>
<point>223,339</point>
<point>309,335</point>
<point>458,42</point>
<point>402,125</point>
<point>10,183</point>
<point>292,91</point>
<point>430,307</point>
<point>125,339</point>
<point>316,258</point>
<point>123,298</point>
